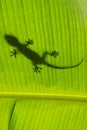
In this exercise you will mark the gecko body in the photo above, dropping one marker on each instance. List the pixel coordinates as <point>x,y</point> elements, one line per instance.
<point>34,56</point>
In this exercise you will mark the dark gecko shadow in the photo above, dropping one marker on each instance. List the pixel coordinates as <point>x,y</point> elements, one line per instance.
<point>33,56</point>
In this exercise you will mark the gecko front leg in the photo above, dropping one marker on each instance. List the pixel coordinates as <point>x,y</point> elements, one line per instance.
<point>13,53</point>
<point>29,42</point>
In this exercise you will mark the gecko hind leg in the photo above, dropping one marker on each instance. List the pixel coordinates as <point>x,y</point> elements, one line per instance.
<point>37,69</point>
<point>54,54</point>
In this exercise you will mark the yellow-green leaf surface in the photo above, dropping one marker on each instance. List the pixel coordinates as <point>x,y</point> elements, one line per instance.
<point>53,25</point>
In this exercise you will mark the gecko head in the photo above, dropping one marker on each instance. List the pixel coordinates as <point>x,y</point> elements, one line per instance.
<point>12,40</point>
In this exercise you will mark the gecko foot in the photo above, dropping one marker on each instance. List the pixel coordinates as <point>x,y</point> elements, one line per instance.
<point>13,53</point>
<point>29,42</point>
<point>54,54</point>
<point>37,69</point>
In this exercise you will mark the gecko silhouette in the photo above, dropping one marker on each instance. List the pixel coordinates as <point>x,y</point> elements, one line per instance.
<point>34,56</point>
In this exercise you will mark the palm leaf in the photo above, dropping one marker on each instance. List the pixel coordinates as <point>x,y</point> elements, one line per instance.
<point>54,26</point>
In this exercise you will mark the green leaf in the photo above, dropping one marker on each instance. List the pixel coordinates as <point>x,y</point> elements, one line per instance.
<point>42,114</point>
<point>51,33</point>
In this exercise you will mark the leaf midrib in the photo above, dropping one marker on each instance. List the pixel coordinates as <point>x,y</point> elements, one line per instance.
<point>73,97</point>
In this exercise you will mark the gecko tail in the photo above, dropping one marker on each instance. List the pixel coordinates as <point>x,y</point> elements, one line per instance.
<point>64,67</point>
